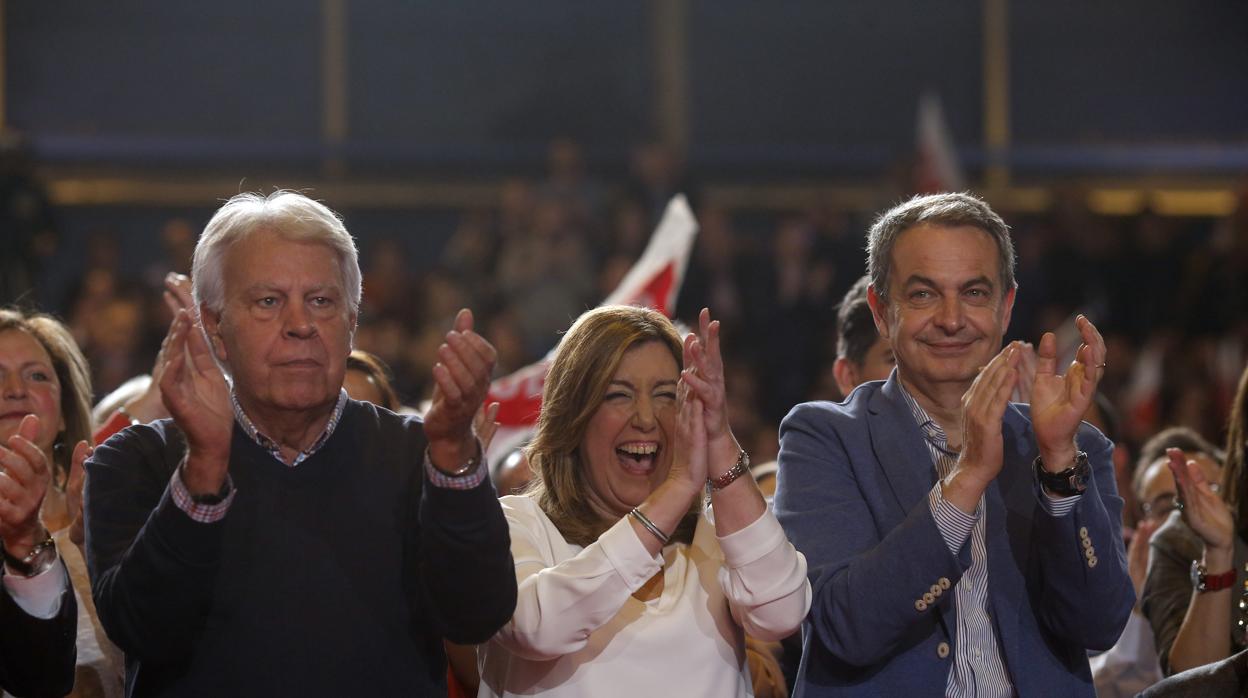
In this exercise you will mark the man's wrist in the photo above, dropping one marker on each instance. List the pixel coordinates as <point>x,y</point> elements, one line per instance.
<point>21,544</point>
<point>204,476</point>
<point>1059,459</point>
<point>963,489</point>
<point>1218,559</point>
<point>454,457</point>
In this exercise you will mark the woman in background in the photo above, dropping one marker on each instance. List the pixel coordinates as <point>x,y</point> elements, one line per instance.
<point>46,375</point>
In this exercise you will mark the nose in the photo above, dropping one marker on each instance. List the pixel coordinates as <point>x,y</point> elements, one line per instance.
<point>298,322</point>
<point>949,316</point>
<point>14,386</point>
<point>643,417</point>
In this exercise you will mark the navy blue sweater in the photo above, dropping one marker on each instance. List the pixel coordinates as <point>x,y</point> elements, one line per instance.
<point>339,576</point>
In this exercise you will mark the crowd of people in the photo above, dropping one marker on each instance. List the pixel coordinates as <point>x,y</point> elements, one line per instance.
<point>956,507</point>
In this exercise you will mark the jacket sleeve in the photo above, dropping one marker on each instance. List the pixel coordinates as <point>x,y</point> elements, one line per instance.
<point>37,655</point>
<point>1168,586</point>
<point>465,561</point>
<point>867,586</point>
<point>1087,596</point>
<point>561,605</point>
<point>764,579</point>
<point>152,567</point>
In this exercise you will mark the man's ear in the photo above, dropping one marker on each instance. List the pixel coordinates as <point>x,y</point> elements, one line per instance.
<point>879,311</point>
<point>1009,308</point>
<point>846,375</point>
<point>211,322</point>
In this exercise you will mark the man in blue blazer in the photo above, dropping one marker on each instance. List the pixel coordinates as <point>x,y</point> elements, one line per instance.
<point>958,544</point>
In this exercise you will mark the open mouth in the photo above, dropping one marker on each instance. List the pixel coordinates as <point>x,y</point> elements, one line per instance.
<point>638,458</point>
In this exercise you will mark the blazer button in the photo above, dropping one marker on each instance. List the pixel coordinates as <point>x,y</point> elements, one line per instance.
<point>1092,561</point>
<point>1083,531</point>
<point>942,650</point>
<point>943,582</point>
<point>1089,552</point>
<point>929,598</point>
<point>920,605</point>
<point>1087,542</point>
<point>936,590</point>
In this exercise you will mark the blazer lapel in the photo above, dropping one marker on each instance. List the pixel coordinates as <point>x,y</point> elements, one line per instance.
<point>899,447</point>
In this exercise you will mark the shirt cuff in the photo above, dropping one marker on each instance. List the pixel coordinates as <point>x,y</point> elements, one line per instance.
<point>203,513</point>
<point>39,596</point>
<point>1058,506</point>
<point>756,540</point>
<point>467,481</point>
<point>954,524</point>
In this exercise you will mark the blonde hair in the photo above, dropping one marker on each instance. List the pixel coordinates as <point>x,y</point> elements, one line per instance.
<point>1234,473</point>
<point>72,373</point>
<point>584,363</point>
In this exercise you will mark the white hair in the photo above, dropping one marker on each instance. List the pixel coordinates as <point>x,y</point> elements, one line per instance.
<point>293,216</point>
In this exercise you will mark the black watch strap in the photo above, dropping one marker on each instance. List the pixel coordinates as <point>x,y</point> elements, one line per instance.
<point>1069,482</point>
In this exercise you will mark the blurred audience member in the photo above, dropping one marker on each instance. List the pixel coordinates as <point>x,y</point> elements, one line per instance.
<point>514,474</point>
<point>1131,665</point>
<point>46,425</point>
<point>368,379</point>
<point>861,353</point>
<point>1195,590</point>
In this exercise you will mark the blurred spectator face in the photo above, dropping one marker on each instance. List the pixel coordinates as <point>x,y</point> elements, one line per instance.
<point>28,385</point>
<point>360,386</point>
<point>946,313</point>
<point>627,444</point>
<point>513,475</point>
<point>1158,493</point>
<point>285,330</point>
<point>875,366</point>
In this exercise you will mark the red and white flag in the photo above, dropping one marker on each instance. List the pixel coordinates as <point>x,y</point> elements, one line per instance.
<point>937,168</point>
<point>654,282</point>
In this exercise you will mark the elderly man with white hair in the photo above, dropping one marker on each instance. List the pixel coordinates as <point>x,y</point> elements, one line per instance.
<point>276,537</point>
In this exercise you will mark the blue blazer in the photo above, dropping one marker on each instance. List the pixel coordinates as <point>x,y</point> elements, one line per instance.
<point>852,496</point>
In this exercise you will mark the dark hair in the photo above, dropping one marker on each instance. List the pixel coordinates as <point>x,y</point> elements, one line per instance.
<point>378,373</point>
<point>947,210</point>
<point>1182,438</point>
<point>855,327</point>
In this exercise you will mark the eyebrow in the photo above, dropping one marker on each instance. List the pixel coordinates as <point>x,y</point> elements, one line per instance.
<point>920,279</point>
<point>630,386</point>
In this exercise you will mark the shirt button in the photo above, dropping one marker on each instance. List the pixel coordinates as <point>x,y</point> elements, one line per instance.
<point>920,605</point>
<point>978,654</point>
<point>942,650</point>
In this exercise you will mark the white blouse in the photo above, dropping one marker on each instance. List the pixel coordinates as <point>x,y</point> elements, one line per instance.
<point>578,631</point>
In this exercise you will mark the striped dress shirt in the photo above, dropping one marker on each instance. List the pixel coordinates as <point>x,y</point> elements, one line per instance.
<point>978,668</point>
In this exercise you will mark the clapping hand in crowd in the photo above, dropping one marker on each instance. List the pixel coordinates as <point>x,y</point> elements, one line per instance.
<point>461,381</point>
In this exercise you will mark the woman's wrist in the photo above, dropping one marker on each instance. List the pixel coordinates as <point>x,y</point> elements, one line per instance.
<point>1218,560</point>
<point>722,452</point>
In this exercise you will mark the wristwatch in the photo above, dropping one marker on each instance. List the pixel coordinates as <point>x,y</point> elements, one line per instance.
<point>40,559</point>
<point>1069,482</point>
<point>1202,581</point>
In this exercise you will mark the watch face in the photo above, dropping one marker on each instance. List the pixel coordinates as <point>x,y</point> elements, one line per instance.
<point>1198,576</point>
